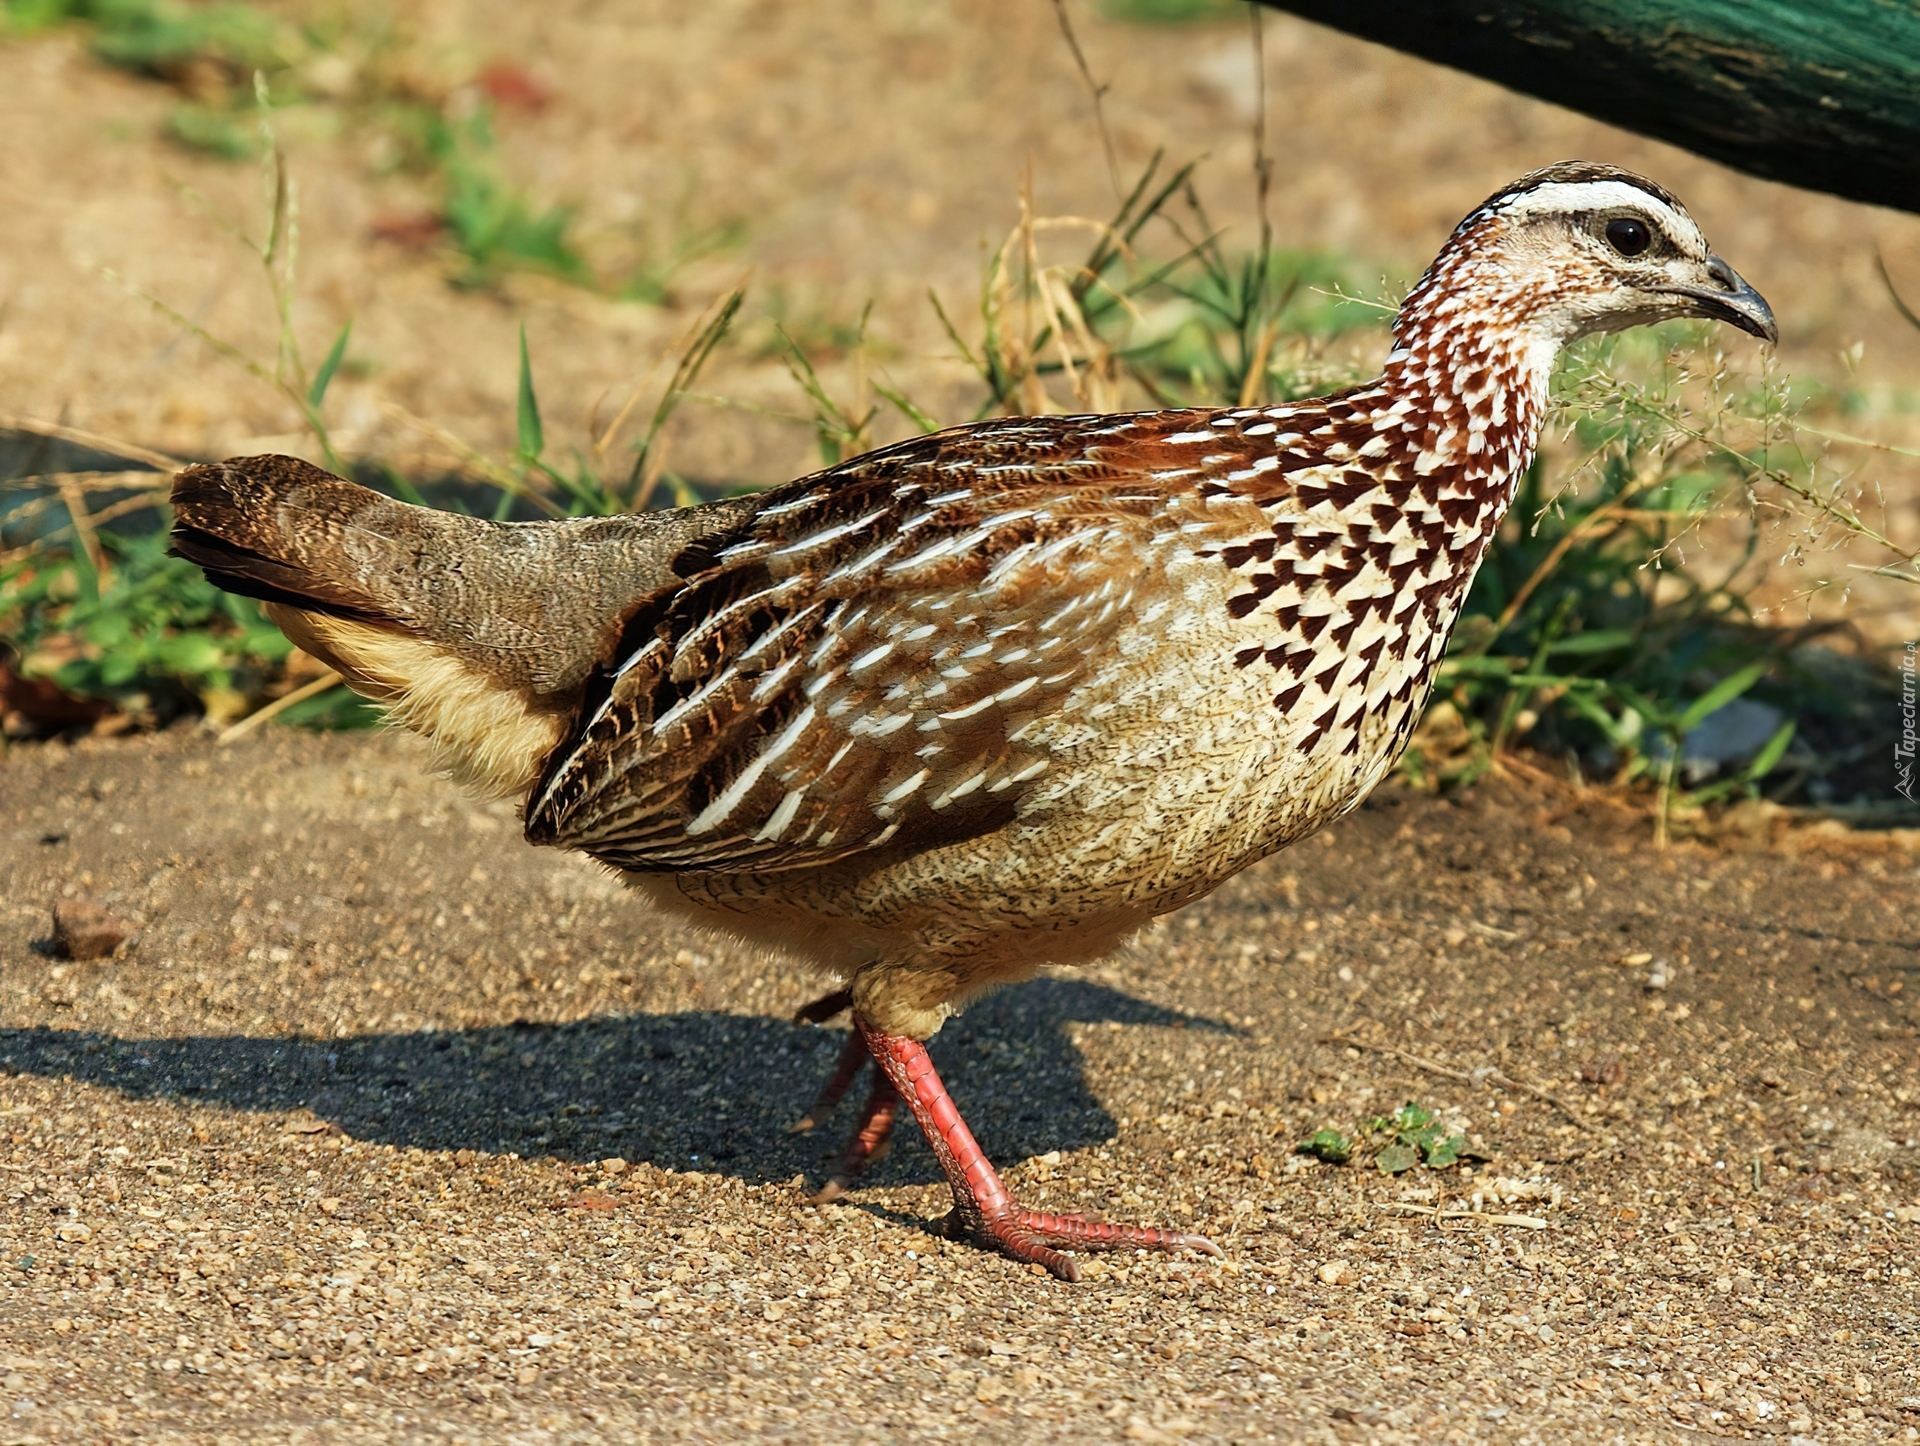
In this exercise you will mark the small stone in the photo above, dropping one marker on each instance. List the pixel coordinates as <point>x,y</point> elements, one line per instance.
<point>83,929</point>
<point>613,1165</point>
<point>74,1233</point>
<point>1608,1069</point>
<point>1335,1272</point>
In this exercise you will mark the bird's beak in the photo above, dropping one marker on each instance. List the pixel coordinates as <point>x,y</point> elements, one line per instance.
<point>1725,296</point>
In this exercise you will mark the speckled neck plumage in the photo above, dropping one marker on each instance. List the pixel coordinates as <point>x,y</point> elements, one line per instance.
<point>1382,503</point>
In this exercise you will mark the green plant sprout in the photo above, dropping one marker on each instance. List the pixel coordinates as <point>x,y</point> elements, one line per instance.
<point>1412,1135</point>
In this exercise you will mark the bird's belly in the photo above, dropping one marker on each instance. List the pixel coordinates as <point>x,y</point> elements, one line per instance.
<point>1168,777</point>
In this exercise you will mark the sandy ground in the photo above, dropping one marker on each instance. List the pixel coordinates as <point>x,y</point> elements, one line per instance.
<point>388,1127</point>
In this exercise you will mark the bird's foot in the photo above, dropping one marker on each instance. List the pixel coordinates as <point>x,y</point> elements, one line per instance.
<point>984,1210</point>
<point>872,1136</point>
<point>1032,1235</point>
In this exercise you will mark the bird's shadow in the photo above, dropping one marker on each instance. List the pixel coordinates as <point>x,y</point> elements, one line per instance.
<point>699,1090</point>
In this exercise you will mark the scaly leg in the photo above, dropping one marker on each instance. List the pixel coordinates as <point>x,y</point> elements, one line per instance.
<point>852,1060</point>
<point>872,1137</point>
<point>984,1210</point>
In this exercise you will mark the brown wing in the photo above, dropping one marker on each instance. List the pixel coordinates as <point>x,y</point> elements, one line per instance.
<point>864,661</point>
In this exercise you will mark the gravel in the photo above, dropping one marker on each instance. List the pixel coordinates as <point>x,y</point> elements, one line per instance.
<point>388,1127</point>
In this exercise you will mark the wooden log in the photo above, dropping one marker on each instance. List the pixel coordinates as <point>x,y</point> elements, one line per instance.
<point>1817,93</point>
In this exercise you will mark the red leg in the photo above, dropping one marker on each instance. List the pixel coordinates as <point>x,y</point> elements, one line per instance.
<point>852,1060</point>
<point>871,1139</point>
<point>983,1208</point>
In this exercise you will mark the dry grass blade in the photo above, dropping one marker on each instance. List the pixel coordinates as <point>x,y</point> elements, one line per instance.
<point>471,460</point>
<point>650,453</point>
<point>1485,1074</point>
<point>1095,89</point>
<point>98,441</point>
<point>60,484</point>
<point>83,527</point>
<point>280,705</point>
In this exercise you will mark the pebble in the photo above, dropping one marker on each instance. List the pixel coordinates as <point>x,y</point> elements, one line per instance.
<point>83,929</point>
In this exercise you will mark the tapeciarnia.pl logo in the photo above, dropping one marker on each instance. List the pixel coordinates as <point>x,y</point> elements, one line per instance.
<point>1903,749</point>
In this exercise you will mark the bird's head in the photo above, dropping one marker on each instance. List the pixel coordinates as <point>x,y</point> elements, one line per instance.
<point>1578,248</point>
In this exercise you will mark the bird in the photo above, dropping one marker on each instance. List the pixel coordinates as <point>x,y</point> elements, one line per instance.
<point>988,700</point>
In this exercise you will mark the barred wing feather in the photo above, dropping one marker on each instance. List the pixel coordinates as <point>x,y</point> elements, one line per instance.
<point>863,663</point>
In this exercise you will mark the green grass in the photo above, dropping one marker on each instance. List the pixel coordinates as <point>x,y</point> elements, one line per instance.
<point>218,55</point>
<point>163,39</point>
<point>1573,638</point>
<point>492,222</point>
<point>214,131</point>
<point>146,633</point>
<point>1170,12</point>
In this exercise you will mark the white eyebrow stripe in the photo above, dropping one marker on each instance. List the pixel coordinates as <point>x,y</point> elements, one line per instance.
<point>1562,197</point>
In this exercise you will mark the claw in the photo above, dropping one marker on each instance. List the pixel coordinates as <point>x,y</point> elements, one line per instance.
<point>984,1210</point>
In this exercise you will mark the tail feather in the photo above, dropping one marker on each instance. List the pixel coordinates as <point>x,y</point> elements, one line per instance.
<point>478,634</point>
<point>275,528</point>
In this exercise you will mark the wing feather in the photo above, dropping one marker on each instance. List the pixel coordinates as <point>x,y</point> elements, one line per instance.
<point>864,661</point>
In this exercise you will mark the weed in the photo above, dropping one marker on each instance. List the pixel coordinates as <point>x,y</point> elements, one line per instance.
<point>1588,636</point>
<point>219,56</point>
<point>146,632</point>
<point>492,222</point>
<point>1412,1135</point>
<point>215,131</point>
<point>204,49</point>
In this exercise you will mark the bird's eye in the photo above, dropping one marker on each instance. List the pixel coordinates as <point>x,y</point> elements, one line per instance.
<point>1628,236</point>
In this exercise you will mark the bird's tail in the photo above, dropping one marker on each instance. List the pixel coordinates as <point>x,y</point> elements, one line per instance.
<point>478,634</point>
